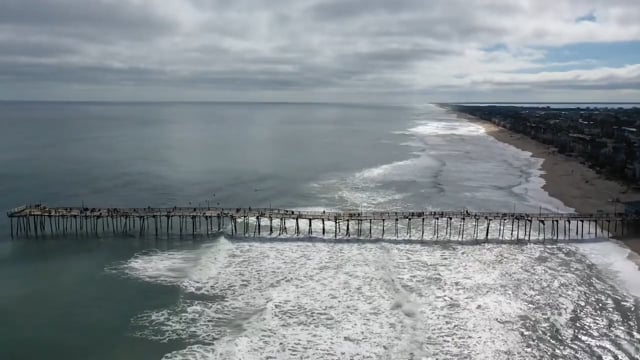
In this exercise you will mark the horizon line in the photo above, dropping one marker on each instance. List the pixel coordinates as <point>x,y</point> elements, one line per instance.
<point>306,102</point>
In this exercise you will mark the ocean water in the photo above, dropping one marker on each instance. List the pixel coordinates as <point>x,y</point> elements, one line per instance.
<point>232,298</point>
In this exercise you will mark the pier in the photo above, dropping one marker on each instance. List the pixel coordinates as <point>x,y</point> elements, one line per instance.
<point>36,221</point>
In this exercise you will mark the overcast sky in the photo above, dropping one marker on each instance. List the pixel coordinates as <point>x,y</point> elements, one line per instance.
<point>320,50</point>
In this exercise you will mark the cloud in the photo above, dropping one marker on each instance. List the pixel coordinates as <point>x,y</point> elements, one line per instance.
<point>308,49</point>
<point>627,77</point>
<point>91,20</point>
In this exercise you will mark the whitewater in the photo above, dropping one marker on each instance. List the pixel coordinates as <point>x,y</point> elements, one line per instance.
<point>284,299</point>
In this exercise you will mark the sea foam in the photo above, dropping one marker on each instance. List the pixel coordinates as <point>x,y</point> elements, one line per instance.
<point>319,300</point>
<point>377,300</point>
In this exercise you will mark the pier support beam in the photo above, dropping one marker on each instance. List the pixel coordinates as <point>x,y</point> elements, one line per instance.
<point>396,228</point>
<point>486,234</point>
<point>348,232</point>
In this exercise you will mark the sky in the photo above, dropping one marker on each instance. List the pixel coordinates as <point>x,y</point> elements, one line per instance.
<point>320,50</point>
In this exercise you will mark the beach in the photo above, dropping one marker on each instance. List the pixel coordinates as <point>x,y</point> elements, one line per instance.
<point>567,178</point>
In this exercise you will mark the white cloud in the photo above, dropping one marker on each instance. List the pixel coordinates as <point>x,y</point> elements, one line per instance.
<point>627,77</point>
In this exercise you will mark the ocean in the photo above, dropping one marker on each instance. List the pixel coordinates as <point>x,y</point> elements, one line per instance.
<point>124,297</point>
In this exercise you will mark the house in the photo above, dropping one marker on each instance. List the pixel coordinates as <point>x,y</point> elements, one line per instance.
<point>632,207</point>
<point>579,142</point>
<point>633,170</point>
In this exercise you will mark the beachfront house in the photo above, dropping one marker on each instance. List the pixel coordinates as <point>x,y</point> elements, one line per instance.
<point>632,207</point>
<point>633,170</point>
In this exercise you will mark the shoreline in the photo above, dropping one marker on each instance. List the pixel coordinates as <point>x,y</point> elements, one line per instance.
<point>566,178</point>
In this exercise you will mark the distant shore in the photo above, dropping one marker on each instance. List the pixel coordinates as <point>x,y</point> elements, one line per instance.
<point>566,178</point>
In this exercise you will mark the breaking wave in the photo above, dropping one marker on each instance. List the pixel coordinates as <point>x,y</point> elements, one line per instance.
<point>320,300</point>
<point>317,300</point>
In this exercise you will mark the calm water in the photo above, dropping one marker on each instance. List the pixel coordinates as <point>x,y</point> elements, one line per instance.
<point>223,298</point>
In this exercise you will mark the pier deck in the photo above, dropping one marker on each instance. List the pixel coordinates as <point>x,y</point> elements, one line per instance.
<point>40,220</point>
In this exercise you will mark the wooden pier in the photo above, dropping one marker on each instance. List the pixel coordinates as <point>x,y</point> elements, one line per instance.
<point>41,221</point>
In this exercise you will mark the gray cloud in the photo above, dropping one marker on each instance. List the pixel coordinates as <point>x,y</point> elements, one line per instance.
<point>624,78</point>
<point>394,56</point>
<point>90,20</point>
<point>33,48</point>
<point>344,10</point>
<point>305,48</point>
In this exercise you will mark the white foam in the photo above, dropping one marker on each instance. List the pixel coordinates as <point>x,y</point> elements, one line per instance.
<point>356,192</point>
<point>319,300</point>
<point>449,127</point>
<point>168,268</point>
<point>617,261</point>
<point>613,258</point>
<point>323,300</point>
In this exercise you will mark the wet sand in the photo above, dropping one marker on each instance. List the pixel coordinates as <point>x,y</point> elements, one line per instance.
<point>567,178</point>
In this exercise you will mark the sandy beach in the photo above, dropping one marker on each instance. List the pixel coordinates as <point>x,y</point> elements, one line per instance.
<point>566,178</point>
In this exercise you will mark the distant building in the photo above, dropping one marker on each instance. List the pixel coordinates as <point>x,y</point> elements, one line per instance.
<point>632,207</point>
<point>606,139</point>
<point>633,170</point>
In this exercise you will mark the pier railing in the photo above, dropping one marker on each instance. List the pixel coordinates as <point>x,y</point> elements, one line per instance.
<point>39,220</point>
